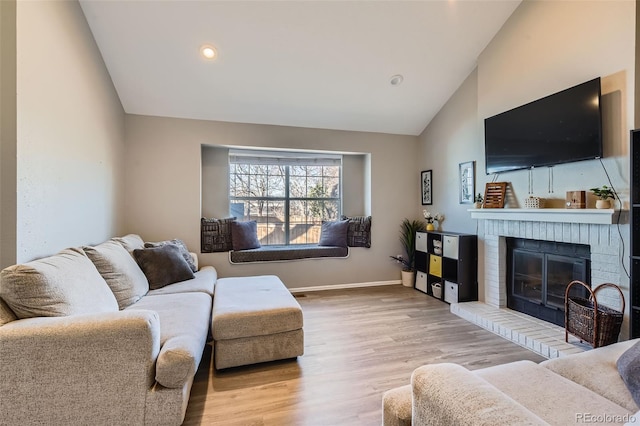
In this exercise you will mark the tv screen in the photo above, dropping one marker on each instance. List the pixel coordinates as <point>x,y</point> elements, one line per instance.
<point>560,128</point>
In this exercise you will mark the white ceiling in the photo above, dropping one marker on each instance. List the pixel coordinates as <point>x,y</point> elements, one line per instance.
<point>319,64</point>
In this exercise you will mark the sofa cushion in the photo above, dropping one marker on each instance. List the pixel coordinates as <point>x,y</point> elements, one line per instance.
<point>163,265</point>
<point>550,396</point>
<point>66,283</point>
<point>120,271</point>
<point>334,233</point>
<point>183,250</point>
<point>602,376</point>
<point>629,367</point>
<point>449,394</point>
<point>130,242</point>
<point>203,281</point>
<point>184,324</point>
<point>244,235</point>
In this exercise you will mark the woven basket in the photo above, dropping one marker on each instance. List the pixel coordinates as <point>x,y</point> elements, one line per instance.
<point>595,324</point>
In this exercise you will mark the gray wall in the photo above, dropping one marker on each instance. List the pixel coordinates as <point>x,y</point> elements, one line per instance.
<point>164,175</point>
<point>544,47</point>
<point>7,133</point>
<point>69,143</point>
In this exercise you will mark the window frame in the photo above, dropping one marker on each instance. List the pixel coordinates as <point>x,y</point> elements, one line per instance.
<point>287,159</point>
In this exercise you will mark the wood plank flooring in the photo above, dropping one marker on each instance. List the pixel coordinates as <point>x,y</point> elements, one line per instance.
<point>358,344</point>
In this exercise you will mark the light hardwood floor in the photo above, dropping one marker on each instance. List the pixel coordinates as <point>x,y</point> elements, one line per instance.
<point>358,344</point>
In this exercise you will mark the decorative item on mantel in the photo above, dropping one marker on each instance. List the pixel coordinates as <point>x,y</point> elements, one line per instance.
<point>494,193</point>
<point>478,201</point>
<point>532,202</point>
<point>576,200</point>
<point>438,217</point>
<point>603,193</point>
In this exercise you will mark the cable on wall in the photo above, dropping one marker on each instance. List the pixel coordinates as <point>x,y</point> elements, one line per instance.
<point>615,193</point>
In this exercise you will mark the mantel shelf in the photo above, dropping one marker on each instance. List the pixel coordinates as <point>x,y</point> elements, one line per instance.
<point>595,216</point>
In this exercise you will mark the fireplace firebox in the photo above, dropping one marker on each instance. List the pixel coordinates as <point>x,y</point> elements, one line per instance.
<point>538,273</point>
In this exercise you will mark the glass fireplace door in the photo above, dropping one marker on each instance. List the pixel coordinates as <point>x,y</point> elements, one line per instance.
<point>527,275</point>
<point>561,270</point>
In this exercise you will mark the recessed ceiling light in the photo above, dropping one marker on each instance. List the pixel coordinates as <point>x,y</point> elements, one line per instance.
<point>208,51</point>
<point>396,80</point>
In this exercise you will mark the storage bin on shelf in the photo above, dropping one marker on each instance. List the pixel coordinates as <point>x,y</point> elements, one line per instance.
<point>436,289</point>
<point>591,322</point>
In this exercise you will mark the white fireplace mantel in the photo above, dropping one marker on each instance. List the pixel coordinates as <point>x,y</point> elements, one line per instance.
<point>596,216</point>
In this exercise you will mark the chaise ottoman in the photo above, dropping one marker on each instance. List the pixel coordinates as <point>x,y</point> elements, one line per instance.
<point>255,319</point>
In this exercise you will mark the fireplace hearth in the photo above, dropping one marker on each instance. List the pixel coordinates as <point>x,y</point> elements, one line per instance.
<point>538,273</point>
<point>592,227</point>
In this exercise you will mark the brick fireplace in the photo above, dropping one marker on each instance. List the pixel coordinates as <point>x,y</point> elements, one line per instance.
<point>592,227</point>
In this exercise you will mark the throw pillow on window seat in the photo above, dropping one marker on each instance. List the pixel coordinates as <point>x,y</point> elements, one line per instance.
<point>244,235</point>
<point>334,233</point>
<point>163,265</point>
<point>359,232</point>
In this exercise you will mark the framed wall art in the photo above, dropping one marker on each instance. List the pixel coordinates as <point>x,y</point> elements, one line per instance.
<point>426,187</point>
<point>467,176</point>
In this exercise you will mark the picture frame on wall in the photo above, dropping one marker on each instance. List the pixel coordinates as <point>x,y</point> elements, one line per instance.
<point>426,186</point>
<point>467,177</point>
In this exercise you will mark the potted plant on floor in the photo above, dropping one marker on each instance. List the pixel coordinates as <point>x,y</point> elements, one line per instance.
<point>408,230</point>
<point>604,194</point>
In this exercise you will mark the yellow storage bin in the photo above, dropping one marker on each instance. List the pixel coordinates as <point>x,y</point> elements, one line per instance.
<point>435,265</point>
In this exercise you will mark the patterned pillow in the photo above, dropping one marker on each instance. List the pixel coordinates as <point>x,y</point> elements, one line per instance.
<point>215,235</point>
<point>359,232</point>
<point>244,235</point>
<point>183,250</point>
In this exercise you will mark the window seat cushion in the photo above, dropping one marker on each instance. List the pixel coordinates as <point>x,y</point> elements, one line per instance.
<point>283,253</point>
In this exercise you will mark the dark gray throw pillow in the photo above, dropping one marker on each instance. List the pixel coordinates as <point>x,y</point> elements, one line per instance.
<point>244,235</point>
<point>184,251</point>
<point>334,233</point>
<point>629,368</point>
<point>163,265</point>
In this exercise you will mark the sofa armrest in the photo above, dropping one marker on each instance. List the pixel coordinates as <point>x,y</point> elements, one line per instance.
<point>449,394</point>
<point>76,369</point>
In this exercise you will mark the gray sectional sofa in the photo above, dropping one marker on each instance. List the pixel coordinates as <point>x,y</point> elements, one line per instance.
<point>84,340</point>
<point>590,387</point>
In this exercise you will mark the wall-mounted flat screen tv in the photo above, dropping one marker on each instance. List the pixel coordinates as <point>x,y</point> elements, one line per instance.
<point>560,128</point>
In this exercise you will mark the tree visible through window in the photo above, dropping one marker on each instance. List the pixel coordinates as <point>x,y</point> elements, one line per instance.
<point>288,194</point>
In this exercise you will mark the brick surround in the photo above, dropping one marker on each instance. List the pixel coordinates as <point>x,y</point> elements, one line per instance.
<point>539,336</point>
<point>603,239</point>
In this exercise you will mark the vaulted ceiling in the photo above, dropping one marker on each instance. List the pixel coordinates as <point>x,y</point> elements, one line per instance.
<point>319,64</point>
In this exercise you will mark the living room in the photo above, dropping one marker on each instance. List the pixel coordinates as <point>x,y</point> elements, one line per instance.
<point>77,169</point>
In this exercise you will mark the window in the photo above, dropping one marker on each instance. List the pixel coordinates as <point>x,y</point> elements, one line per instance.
<point>289,194</point>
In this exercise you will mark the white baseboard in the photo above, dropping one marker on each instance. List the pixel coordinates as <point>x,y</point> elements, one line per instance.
<point>343,286</point>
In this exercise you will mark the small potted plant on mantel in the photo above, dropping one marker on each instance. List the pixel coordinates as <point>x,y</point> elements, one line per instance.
<point>408,230</point>
<point>478,201</point>
<point>603,193</point>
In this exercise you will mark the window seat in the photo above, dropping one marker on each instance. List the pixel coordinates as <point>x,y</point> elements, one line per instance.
<point>284,253</point>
